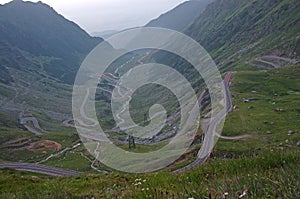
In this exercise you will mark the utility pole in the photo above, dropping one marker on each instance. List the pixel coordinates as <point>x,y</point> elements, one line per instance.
<point>145,118</point>
<point>131,142</point>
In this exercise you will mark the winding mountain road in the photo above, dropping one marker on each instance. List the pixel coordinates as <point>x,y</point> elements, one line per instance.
<point>24,120</point>
<point>204,152</point>
<point>37,168</point>
<point>270,58</point>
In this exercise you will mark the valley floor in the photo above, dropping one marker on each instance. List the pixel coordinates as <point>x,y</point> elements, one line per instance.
<point>265,165</point>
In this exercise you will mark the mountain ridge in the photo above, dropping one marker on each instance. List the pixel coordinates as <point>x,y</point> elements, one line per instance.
<point>230,29</point>
<point>38,30</point>
<point>181,16</point>
<point>40,53</point>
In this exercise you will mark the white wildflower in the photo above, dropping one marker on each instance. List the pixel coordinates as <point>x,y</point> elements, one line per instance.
<point>243,194</point>
<point>225,194</point>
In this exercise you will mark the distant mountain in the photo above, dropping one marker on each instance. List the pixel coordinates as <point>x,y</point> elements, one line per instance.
<point>34,36</point>
<point>108,33</point>
<point>105,34</point>
<point>239,32</point>
<point>40,54</point>
<point>181,16</point>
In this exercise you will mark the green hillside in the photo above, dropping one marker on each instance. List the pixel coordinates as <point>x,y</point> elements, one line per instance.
<point>264,166</point>
<point>257,156</point>
<point>181,16</point>
<point>236,32</point>
<point>40,53</point>
<point>36,31</point>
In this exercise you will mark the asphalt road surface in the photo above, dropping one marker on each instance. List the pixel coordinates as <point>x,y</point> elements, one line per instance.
<point>37,168</point>
<point>204,152</point>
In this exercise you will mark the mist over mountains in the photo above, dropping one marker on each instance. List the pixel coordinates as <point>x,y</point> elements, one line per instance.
<point>256,47</point>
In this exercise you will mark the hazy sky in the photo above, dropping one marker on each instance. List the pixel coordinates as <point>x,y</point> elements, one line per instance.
<point>99,15</point>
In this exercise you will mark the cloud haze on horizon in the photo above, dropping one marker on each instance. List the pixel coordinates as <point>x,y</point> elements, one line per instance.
<point>100,15</point>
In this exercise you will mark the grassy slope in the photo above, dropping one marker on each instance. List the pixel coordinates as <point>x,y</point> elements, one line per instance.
<point>235,32</point>
<point>275,89</point>
<point>265,166</point>
<point>266,175</point>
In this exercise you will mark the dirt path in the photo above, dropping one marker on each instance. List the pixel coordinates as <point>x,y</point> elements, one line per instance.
<point>274,57</point>
<point>59,153</point>
<point>294,61</point>
<point>266,62</point>
<point>235,138</point>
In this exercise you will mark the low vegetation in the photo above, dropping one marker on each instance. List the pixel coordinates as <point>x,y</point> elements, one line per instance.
<point>264,166</point>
